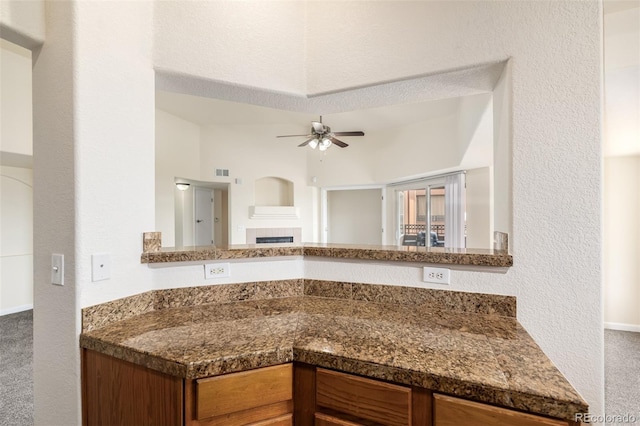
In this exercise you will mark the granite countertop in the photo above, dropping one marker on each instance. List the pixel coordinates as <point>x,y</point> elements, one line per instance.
<point>441,255</point>
<point>483,357</point>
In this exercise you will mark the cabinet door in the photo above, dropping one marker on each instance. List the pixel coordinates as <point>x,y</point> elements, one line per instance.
<point>362,398</point>
<point>449,411</point>
<point>257,397</point>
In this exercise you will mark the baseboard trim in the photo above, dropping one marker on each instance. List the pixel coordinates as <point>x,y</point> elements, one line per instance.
<point>15,309</point>
<point>622,327</point>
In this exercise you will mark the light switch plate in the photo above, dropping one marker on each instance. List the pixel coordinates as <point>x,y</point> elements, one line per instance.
<point>100,266</point>
<point>57,269</point>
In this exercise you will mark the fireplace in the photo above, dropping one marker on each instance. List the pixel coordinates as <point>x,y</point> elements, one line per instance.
<point>274,235</point>
<point>274,240</point>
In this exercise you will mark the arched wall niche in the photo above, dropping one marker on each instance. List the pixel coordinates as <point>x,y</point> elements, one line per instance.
<point>273,191</point>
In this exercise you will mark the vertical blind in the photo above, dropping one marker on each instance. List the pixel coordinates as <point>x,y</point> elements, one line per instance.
<point>454,204</point>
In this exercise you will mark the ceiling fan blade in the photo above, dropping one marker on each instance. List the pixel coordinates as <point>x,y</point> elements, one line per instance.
<point>291,136</point>
<point>338,142</point>
<point>305,143</point>
<point>349,133</point>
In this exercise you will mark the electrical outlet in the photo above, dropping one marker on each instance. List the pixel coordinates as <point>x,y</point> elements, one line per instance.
<point>217,270</point>
<point>436,275</point>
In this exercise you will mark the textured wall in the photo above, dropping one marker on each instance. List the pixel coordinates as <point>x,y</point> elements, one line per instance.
<point>252,44</point>
<point>554,114</point>
<point>93,174</point>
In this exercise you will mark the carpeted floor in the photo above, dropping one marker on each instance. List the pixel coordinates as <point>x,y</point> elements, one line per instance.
<point>16,360</point>
<point>622,374</point>
<point>622,371</point>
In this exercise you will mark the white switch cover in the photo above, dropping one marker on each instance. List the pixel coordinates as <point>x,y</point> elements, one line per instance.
<point>100,266</point>
<point>57,269</point>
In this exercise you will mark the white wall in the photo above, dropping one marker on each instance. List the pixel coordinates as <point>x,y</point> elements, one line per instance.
<point>622,82</point>
<point>252,44</point>
<point>16,239</point>
<point>177,155</point>
<point>622,242</point>
<point>622,169</point>
<point>555,51</point>
<point>23,22</point>
<point>93,179</point>
<point>354,216</point>
<point>479,204</point>
<point>251,153</point>
<point>16,179</point>
<point>16,129</point>
<point>94,136</point>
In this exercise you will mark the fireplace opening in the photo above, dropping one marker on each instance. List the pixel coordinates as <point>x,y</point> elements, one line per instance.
<point>273,240</point>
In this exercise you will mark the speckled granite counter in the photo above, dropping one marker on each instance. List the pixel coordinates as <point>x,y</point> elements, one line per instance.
<point>464,344</point>
<point>476,257</point>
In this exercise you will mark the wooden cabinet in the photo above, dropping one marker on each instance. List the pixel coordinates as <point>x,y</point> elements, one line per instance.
<point>256,397</point>
<point>117,392</point>
<point>450,411</point>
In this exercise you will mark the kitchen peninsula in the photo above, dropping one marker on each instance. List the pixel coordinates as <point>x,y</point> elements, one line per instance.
<point>447,256</point>
<point>317,352</point>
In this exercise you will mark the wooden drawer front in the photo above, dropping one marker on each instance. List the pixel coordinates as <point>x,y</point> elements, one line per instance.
<point>217,396</point>
<point>286,420</point>
<point>364,398</point>
<point>327,420</point>
<point>449,411</point>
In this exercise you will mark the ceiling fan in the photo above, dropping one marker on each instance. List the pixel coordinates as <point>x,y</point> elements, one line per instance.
<point>322,137</point>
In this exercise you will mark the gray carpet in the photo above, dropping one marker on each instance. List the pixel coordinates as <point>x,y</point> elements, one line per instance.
<point>16,378</point>
<point>622,371</point>
<point>622,374</point>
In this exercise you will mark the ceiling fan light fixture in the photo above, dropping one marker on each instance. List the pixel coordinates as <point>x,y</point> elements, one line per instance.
<point>313,144</point>
<point>324,144</point>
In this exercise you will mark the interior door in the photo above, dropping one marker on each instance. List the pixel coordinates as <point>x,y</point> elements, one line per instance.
<point>203,226</point>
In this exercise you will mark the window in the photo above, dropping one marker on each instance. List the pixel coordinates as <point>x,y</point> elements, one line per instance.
<point>431,212</point>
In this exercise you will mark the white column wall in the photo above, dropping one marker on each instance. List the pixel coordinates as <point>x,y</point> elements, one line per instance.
<point>56,361</point>
<point>94,178</point>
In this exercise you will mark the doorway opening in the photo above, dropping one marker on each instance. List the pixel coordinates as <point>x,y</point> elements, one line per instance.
<point>201,211</point>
